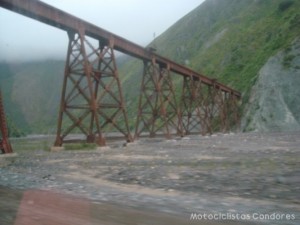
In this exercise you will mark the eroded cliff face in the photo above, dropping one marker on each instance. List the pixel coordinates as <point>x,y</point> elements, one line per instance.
<point>274,104</point>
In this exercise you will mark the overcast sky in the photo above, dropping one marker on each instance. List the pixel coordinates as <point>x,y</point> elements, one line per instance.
<point>24,39</point>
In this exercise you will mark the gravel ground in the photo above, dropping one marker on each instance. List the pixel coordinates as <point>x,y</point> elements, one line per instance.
<point>250,174</point>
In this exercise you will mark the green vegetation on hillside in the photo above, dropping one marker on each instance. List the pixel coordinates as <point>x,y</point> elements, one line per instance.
<point>32,94</point>
<point>16,123</point>
<point>228,40</point>
<point>231,40</point>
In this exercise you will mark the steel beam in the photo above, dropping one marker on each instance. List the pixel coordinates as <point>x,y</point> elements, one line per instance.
<point>5,146</point>
<point>52,16</point>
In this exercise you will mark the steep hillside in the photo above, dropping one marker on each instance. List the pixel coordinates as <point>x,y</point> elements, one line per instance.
<point>231,40</point>
<point>32,93</point>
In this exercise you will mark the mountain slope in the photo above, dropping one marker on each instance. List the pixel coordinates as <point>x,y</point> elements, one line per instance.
<point>229,40</point>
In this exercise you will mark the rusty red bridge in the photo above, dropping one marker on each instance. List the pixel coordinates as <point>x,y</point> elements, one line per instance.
<point>92,101</point>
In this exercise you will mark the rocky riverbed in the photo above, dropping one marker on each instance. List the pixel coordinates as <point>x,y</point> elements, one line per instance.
<point>250,174</point>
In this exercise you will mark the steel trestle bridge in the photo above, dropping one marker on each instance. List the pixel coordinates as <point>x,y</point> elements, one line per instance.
<point>92,100</point>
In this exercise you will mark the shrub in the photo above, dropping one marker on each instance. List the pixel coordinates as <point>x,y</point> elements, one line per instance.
<point>285,5</point>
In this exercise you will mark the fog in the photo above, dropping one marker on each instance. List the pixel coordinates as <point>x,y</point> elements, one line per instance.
<point>24,39</point>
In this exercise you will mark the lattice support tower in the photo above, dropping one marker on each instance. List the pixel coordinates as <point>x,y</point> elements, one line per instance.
<point>92,102</point>
<point>5,146</point>
<point>233,114</point>
<point>223,110</point>
<point>194,106</point>
<point>157,108</point>
<point>218,110</point>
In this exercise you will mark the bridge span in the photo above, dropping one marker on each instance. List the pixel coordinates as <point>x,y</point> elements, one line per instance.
<point>92,101</point>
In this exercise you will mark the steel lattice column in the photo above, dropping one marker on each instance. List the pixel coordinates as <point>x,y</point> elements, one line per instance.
<point>92,102</point>
<point>190,120</point>
<point>194,110</point>
<point>203,107</point>
<point>227,116</point>
<point>157,109</point>
<point>5,146</point>
<point>218,109</point>
<point>233,116</point>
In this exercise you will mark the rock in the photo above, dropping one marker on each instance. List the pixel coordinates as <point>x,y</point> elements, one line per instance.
<point>7,159</point>
<point>272,105</point>
<point>281,180</point>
